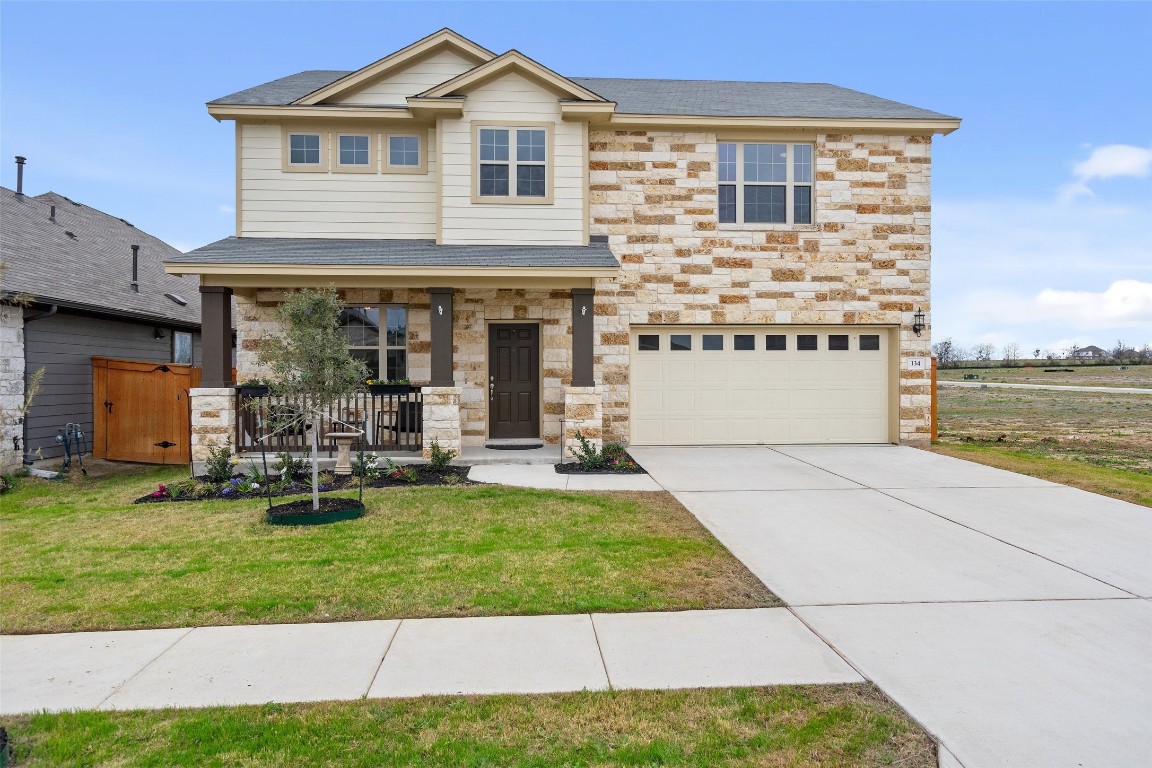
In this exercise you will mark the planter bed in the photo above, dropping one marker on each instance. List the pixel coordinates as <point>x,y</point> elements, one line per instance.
<point>300,485</point>
<point>300,512</point>
<point>626,466</point>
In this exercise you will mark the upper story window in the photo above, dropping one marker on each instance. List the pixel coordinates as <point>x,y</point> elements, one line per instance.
<point>356,152</point>
<point>514,164</point>
<point>765,183</point>
<point>305,150</point>
<point>404,152</point>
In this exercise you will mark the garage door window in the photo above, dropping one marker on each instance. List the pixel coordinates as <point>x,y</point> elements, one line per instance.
<point>776,343</point>
<point>648,343</point>
<point>806,343</point>
<point>743,342</point>
<point>713,342</point>
<point>870,343</point>
<point>838,343</point>
<point>680,343</point>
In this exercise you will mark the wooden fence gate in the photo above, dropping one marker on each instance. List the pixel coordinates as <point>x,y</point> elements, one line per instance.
<point>141,411</point>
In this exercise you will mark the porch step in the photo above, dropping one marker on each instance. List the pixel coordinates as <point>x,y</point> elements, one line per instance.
<point>515,444</point>
<point>544,454</point>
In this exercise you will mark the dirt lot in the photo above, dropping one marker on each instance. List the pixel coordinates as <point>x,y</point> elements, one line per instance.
<point>1104,429</point>
<point>1066,375</point>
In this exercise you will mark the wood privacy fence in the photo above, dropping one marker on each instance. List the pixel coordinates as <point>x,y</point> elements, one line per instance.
<point>141,410</point>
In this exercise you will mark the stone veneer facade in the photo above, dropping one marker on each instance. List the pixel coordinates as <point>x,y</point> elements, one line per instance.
<point>864,262</point>
<point>11,387</point>
<point>653,193</point>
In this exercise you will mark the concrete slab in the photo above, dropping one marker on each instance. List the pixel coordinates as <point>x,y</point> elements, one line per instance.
<point>697,649</point>
<point>261,663</point>
<point>478,454</point>
<point>75,670</point>
<point>612,483</point>
<point>894,466</point>
<point>1102,537</point>
<point>1012,685</point>
<point>724,468</point>
<point>862,546</point>
<point>504,654</point>
<point>522,475</point>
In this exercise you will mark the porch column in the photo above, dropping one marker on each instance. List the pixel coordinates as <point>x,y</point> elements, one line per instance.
<point>215,336</point>
<point>582,316</point>
<point>441,310</point>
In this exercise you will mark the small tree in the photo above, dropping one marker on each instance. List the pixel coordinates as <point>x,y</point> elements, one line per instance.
<point>310,364</point>
<point>947,353</point>
<point>1012,354</point>
<point>983,353</point>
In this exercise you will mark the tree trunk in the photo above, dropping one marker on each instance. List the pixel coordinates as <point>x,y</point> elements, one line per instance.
<point>315,470</point>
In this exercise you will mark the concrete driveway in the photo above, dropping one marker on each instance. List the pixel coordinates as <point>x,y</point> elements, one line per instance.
<point>1009,615</point>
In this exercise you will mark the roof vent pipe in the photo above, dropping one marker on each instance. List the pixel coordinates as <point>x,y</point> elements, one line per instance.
<point>135,268</point>
<point>20,175</point>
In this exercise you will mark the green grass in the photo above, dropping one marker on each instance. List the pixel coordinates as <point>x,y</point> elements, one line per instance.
<point>817,726</point>
<point>79,556</point>
<point>1126,484</point>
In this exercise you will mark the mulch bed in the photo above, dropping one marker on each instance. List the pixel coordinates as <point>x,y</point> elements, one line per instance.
<point>626,466</point>
<point>301,484</point>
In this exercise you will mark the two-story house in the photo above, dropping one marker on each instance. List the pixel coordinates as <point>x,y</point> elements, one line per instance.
<point>651,261</point>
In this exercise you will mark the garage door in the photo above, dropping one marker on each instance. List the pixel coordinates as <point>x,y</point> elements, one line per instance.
<point>759,385</point>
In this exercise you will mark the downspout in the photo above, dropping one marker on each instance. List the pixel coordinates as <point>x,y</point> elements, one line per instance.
<point>39,315</point>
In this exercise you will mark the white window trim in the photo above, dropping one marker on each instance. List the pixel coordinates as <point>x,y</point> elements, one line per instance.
<point>286,151</point>
<point>789,186</point>
<point>511,198</point>
<point>422,167</point>
<point>373,153</point>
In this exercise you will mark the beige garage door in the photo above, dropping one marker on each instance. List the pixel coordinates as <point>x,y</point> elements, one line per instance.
<point>759,385</point>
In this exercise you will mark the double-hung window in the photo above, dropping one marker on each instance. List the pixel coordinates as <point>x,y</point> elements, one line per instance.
<point>379,337</point>
<point>513,164</point>
<point>765,183</point>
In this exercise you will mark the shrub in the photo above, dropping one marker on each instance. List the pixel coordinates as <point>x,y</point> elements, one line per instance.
<point>365,466</point>
<point>439,458</point>
<point>218,468</point>
<point>288,465</point>
<point>397,472</point>
<point>184,489</point>
<point>587,454</point>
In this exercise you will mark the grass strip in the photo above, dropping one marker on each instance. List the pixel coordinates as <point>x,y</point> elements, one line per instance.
<point>816,726</point>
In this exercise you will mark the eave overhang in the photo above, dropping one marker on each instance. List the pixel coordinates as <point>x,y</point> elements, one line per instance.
<point>242,112</point>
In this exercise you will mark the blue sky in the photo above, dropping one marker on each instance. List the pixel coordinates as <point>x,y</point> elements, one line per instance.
<point>1042,200</point>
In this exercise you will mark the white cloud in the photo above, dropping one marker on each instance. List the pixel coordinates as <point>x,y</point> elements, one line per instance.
<point>1107,162</point>
<point>225,208</point>
<point>1124,303</point>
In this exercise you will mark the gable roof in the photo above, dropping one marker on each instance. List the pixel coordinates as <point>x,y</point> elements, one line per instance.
<point>444,38</point>
<point>717,98</point>
<point>516,61</point>
<point>93,270</point>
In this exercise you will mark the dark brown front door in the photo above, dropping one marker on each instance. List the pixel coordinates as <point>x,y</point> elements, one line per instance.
<point>514,381</point>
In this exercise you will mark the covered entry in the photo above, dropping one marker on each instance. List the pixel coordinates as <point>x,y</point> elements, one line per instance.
<point>697,385</point>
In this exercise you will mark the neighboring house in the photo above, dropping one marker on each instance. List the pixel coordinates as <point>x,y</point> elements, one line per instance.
<point>651,261</point>
<point>1090,352</point>
<point>75,265</point>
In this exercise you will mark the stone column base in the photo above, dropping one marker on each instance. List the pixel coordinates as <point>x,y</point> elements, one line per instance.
<point>583,413</point>
<point>213,422</point>
<point>441,418</point>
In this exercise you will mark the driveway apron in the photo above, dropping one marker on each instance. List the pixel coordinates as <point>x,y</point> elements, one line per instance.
<point>1008,614</point>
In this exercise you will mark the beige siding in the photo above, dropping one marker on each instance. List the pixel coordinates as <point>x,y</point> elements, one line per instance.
<point>417,78</point>
<point>349,205</point>
<point>511,99</point>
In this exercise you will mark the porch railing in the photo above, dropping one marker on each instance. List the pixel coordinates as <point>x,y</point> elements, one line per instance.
<point>392,422</point>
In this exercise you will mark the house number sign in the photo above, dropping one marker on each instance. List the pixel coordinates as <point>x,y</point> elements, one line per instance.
<point>918,364</point>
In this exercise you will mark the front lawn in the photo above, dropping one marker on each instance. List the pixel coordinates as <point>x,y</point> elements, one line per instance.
<point>78,555</point>
<point>812,726</point>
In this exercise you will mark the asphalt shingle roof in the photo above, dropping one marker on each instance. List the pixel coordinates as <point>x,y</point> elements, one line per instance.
<point>395,253</point>
<point>719,98</point>
<point>93,269</point>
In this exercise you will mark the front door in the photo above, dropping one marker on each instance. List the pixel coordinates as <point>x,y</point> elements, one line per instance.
<point>513,381</point>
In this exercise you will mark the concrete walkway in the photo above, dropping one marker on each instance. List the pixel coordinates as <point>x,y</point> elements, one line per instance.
<point>545,476</point>
<point>1009,615</point>
<point>1065,387</point>
<point>208,666</point>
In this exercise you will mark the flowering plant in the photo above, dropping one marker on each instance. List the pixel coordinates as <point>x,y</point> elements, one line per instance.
<point>160,492</point>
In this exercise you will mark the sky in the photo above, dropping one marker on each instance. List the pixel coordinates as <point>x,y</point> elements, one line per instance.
<point>1042,201</point>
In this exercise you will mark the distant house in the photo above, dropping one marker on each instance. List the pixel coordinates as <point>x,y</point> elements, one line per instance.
<point>97,288</point>
<point>1090,353</point>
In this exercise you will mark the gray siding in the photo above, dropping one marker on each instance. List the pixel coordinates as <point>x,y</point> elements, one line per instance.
<point>64,345</point>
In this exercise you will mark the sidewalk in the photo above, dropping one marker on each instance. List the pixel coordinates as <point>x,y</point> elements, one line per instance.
<point>545,476</point>
<point>285,663</point>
